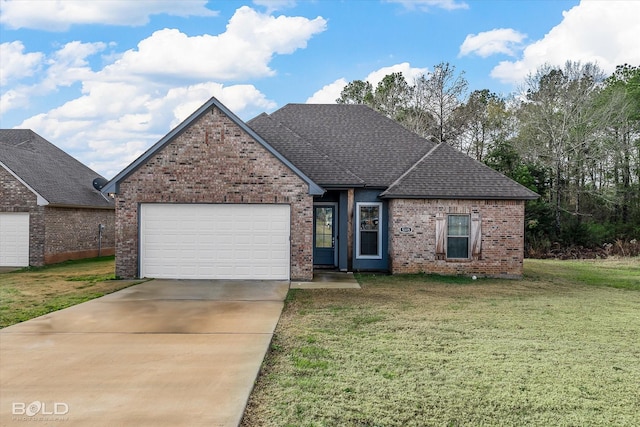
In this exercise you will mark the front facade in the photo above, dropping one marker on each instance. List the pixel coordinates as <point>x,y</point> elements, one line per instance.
<point>211,201</point>
<point>310,187</point>
<point>49,211</point>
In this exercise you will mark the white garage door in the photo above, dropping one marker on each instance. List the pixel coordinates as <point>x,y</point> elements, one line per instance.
<point>14,239</point>
<point>206,241</point>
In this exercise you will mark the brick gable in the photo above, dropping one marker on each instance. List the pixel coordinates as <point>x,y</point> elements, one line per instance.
<point>213,160</point>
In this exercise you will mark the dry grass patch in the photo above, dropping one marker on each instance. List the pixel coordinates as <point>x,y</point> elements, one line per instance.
<point>421,350</point>
<point>32,292</point>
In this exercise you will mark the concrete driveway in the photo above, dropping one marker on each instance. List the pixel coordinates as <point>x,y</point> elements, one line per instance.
<point>162,353</point>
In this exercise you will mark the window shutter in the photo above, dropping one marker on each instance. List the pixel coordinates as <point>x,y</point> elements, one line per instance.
<point>441,229</point>
<point>476,236</point>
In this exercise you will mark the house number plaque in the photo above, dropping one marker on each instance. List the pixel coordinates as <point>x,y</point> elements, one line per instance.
<point>405,229</point>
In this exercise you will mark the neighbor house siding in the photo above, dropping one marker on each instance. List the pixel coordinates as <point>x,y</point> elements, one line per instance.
<point>15,197</point>
<point>213,161</point>
<point>412,235</point>
<point>72,233</point>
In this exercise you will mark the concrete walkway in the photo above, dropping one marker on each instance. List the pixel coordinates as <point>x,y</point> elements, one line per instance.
<point>162,353</point>
<point>328,279</point>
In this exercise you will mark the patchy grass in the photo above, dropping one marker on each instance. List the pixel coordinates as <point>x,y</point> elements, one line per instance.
<point>34,291</point>
<point>551,349</point>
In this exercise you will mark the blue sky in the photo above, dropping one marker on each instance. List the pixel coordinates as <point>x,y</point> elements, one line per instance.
<point>105,79</point>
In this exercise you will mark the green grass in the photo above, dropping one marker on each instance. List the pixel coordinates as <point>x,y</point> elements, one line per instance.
<point>616,273</point>
<point>34,291</point>
<point>559,347</point>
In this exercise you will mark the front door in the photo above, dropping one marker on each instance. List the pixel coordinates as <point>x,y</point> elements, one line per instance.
<point>324,236</point>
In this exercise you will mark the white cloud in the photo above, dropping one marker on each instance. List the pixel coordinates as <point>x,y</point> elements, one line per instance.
<point>15,63</point>
<point>410,73</point>
<point>329,93</point>
<point>63,67</point>
<point>60,15</point>
<point>499,41</point>
<point>69,64</point>
<point>109,135</point>
<point>243,51</point>
<point>12,99</point>
<point>426,5</point>
<point>128,105</point>
<point>594,31</point>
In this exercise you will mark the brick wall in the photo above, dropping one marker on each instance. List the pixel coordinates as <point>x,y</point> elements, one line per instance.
<point>72,233</point>
<point>57,234</point>
<point>502,224</point>
<point>15,197</point>
<point>214,161</point>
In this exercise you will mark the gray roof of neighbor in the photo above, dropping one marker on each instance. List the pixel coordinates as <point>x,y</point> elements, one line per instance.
<point>53,174</point>
<point>340,145</point>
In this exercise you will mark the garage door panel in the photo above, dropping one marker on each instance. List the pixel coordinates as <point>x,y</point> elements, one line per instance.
<point>215,241</point>
<point>14,239</point>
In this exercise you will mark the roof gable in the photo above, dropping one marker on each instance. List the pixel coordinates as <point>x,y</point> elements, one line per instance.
<point>113,185</point>
<point>446,173</point>
<point>53,175</point>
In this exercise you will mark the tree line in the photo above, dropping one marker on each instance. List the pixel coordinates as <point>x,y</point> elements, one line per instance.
<point>571,134</point>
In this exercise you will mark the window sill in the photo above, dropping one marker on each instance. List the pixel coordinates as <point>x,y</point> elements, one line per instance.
<point>368,257</point>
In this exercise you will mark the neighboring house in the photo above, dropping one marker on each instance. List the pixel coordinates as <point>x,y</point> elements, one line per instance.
<point>336,186</point>
<point>49,210</point>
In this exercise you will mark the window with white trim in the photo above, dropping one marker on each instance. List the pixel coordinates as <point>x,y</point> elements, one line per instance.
<point>369,236</point>
<point>458,232</point>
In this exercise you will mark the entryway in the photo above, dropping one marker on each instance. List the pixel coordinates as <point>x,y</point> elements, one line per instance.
<point>324,234</point>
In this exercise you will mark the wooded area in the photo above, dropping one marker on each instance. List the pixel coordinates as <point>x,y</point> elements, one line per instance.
<point>571,133</point>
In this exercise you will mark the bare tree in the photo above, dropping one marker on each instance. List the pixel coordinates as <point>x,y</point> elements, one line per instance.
<point>438,95</point>
<point>558,125</point>
<point>485,117</point>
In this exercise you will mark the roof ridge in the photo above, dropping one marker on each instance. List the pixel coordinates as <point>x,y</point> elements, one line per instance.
<point>56,177</point>
<point>316,149</point>
<point>412,168</point>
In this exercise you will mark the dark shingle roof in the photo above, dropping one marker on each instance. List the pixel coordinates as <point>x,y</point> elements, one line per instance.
<point>53,174</point>
<point>353,145</point>
<point>318,165</point>
<point>355,138</point>
<point>447,173</point>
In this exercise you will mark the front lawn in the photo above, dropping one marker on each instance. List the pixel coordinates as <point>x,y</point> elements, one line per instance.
<point>551,349</point>
<point>34,291</point>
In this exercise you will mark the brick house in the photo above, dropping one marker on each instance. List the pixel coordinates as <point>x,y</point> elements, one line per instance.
<point>309,186</point>
<point>49,210</point>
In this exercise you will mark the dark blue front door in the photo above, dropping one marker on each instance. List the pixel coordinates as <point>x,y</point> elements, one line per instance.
<point>324,234</point>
